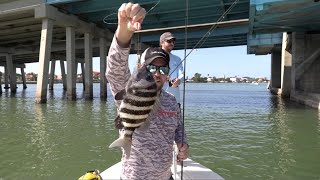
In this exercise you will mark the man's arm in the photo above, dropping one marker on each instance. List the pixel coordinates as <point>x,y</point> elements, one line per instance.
<point>130,17</point>
<point>118,72</point>
<point>179,72</point>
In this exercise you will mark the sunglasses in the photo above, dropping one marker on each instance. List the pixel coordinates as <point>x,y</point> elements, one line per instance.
<point>170,41</point>
<point>164,70</point>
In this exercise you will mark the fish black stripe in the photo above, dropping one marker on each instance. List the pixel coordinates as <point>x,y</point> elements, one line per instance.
<point>138,103</point>
<point>128,136</point>
<point>153,86</point>
<point>141,93</point>
<point>135,112</point>
<point>129,128</point>
<point>133,121</point>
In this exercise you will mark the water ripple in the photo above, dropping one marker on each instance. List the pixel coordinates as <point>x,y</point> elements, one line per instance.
<point>238,130</point>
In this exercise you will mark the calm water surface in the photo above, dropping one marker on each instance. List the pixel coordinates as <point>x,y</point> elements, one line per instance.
<point>240,131</point>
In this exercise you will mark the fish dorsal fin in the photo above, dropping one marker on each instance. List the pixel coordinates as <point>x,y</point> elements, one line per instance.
<point>120,95</point>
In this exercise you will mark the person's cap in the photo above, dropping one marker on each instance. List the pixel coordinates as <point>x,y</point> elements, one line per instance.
<point>166,36</point>
<point>152,53</point>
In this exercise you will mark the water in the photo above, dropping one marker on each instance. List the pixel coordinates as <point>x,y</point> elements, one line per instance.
<point>240,131</point>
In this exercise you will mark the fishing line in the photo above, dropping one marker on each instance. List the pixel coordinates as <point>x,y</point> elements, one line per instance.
<point>184,75</point>
<point>105,18</point>
<point>208,33</point>
<point>139,46</point>
<point>203,39</point>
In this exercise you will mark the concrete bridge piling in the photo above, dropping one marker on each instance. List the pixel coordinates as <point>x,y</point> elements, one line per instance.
<point>295,70</point>
<point>54,36</point>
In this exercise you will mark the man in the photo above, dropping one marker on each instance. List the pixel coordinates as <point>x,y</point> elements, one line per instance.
<point>151,150</point>
<point>167,41</point>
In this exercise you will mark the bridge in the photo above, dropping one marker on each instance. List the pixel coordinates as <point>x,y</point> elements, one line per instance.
<point>74,31</point>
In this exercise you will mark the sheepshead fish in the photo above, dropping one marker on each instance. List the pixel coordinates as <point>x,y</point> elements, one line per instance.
<point>138,100</point>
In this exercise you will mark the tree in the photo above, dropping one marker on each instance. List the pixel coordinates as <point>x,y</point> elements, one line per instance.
<point>197,77</point>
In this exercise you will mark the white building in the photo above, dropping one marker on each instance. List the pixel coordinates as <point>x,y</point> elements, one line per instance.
<point>234,79</point>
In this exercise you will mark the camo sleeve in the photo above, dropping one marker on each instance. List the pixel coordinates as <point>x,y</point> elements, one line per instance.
<point>118,72</point>
<point>179,133</point>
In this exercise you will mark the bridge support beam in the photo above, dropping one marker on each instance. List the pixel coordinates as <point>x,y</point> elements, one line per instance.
<point>12,73</point>
<point>6,78</point>
<point>305,84</point>
<point>63,75</point>
<point>52,70</point>
<point>88,66</point>
<point>0,82</point>
<point>83,75</point>
<point>103,65</point>
<point>71,63</point>
<point>286,61</point>
<point>44,59</point>
<point>275,85</point>
<point>23,75</point>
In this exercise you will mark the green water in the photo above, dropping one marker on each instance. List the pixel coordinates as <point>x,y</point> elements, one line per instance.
<point>240,131</point>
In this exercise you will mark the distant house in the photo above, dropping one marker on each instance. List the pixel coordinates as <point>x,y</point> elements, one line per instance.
<point>245,79</point>
<point>235,79</point>
<point>262,79</point>
<point>31,77</point>
<point>209,79</point>
<point>59,77</point>
<point>96,75</point>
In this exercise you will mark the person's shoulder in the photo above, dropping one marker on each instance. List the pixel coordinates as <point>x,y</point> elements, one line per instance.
<point>167,95</point>
<point>174,56</point>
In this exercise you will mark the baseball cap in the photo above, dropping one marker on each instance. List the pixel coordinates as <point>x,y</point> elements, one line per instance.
<point>167,36</point>
<point>152,53</point>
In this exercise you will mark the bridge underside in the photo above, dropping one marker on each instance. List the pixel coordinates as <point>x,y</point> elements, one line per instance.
<point>74,31</point>
<point>270,18</point>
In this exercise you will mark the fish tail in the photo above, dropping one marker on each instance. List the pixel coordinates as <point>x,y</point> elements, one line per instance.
<point>123,142</point>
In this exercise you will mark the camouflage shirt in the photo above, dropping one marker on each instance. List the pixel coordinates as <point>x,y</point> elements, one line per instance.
<point>151,150</point>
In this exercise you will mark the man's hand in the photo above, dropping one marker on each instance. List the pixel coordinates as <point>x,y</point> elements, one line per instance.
<point>175,82</point>
<point>130,18</point>
<point>183,152</point>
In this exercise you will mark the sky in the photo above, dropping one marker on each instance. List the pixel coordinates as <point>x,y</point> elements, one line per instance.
<point>223,61</point>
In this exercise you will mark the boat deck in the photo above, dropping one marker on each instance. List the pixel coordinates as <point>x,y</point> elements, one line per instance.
<point>191,171</point>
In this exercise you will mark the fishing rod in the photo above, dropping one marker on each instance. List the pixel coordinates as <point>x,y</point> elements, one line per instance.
<point>203,39</point>
<point>184,75</point>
